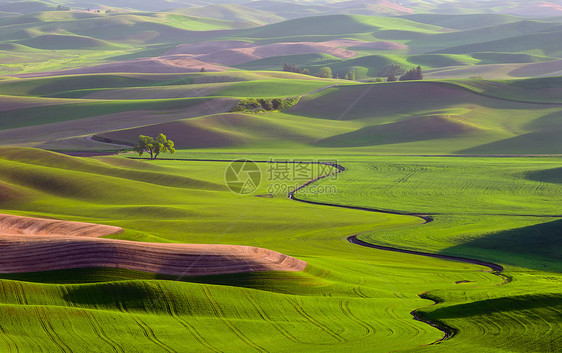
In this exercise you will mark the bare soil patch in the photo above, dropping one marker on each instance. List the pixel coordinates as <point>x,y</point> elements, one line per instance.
<point>34,244</point>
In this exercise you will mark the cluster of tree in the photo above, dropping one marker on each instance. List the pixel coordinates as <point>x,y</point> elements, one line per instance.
<point>392,70</point>
<point>99,11</point>
<point>154,146</point>
<point>350,75</point>
<point>63,8</point>
<point>293,68</point>
<point>264,104</point>
<point>325,72</point>
<point>413,74</point>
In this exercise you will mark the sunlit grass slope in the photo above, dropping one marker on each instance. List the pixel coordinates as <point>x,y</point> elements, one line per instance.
<point>78,105</point>
<point>86,38</point>
<point>432,41</point>
<point>434,117</point>
<point>348,298</point>
<point>504,210</point>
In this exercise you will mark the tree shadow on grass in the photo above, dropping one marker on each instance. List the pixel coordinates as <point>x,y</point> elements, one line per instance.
<point>536,247</point>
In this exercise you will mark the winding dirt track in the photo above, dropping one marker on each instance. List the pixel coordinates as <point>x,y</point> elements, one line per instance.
<point>34,244</point>
<point>448,332</point>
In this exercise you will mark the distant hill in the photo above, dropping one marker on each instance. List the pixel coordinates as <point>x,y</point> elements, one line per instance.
<point>445,46</point>
<point>457,117</point>
<point>234,12</point>
<point>25,7</point>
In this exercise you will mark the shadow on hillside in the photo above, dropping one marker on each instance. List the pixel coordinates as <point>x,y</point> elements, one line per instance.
<point>127,292</point>
<point>491,306</point>
<point>536,142</point>
<point>410,130</point>
<point>553,175</point>
<point>549,121</point>
<point>272,281</point>
<point>536,247</point>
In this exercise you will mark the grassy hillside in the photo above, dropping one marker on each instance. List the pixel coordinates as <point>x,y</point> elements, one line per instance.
<point>428,116</point>
<point>486,208</point>
<point>364,284</point>
<point>383,118</point>
<point>432,41</point>
<point>463,22</point>
<point>22,7</point>
<point>333,26</point>
<point>83,38</point>
<point>466,166</point>
<point>234,12</point>
<point>299,293</point>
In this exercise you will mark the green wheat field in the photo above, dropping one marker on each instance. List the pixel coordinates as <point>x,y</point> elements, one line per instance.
<point>453,182</point>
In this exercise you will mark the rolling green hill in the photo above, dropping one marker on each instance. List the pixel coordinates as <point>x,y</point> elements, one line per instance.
<point>87,38</point>
<point>364,284</point>
<point>234,12</point>
<point>464,165</point>
<point>335,26</point>
<point>384,117</point>
<point>463,22</point>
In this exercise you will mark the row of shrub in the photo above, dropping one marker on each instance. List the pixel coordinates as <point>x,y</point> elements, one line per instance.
<point>259,105</point>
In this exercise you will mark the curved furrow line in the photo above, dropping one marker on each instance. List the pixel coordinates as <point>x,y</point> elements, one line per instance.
<point>99,332</point>
<point>344,307</point>
<point>12,345</point>
<point>219,313</point>
<point>149,333</point>
<point>20,293</point>
<point>300,310</point>
<point>172,311</point>
<point>50,331</point>
<point>146,330</point>
<point>263,314</point>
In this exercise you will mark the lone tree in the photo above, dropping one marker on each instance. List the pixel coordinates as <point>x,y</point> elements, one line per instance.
<point>154,146</point>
